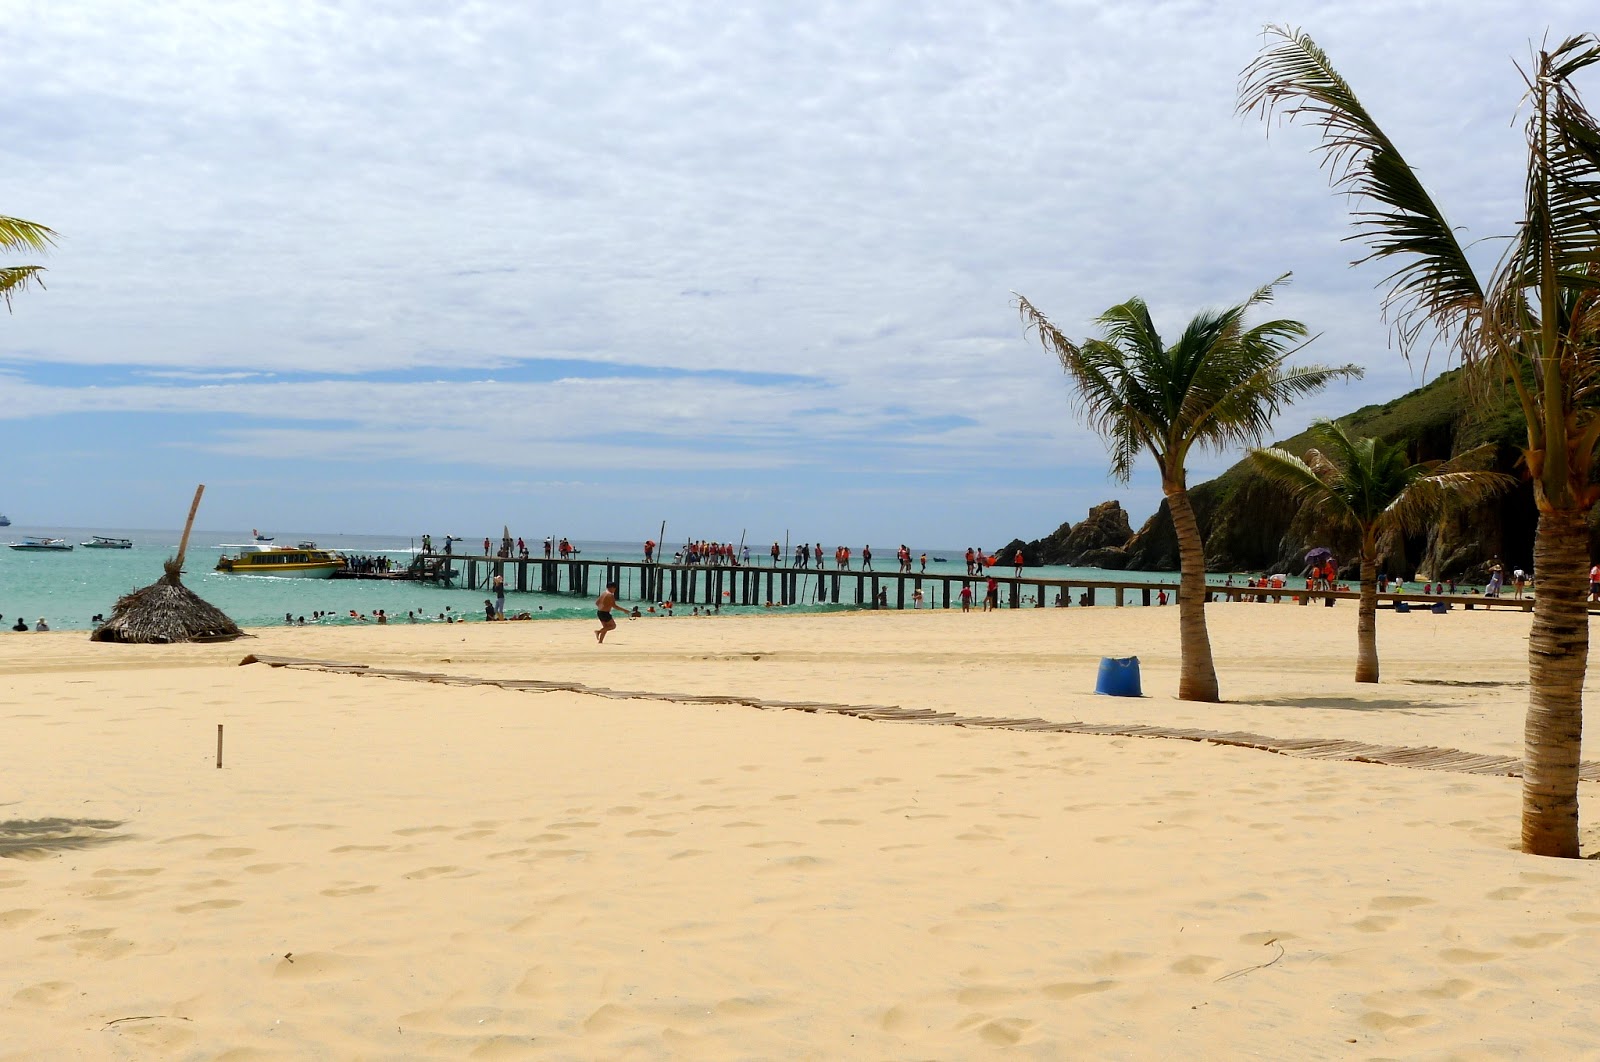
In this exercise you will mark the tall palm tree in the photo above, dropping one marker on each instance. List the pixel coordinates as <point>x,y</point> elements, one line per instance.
<point>19,235</point>
<point>1218,386</point>
<point>1533,324</point>
<point>1371,488</point>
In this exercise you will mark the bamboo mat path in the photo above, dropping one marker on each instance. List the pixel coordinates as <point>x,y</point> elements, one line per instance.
<point>1428,758</point>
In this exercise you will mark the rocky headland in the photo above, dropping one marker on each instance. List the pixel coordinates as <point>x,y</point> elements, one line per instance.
<point>1251,525</point>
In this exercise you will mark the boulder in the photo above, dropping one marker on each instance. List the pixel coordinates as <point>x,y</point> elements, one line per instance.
<point>1106,526</point>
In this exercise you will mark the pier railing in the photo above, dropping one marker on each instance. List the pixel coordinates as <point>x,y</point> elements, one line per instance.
<point>758,585</point>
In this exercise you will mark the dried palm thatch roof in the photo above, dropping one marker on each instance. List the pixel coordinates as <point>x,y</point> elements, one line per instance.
<point>166,611</point>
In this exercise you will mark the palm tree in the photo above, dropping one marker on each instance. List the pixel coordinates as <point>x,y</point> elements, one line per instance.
<point>19,235</point>
<point>1218,386</point>
<point>1533,324</point>
<point>1369,487</point>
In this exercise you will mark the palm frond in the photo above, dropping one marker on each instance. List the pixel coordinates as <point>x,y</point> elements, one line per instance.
<point>1434,281</point>
<point>16,279</point>
<point>19,235</point>
<point>1304,482</point>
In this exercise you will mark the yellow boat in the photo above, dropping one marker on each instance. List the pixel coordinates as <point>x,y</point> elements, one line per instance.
<point>282,562</point>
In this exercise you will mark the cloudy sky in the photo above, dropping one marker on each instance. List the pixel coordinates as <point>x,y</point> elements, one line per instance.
<point>399,266</point>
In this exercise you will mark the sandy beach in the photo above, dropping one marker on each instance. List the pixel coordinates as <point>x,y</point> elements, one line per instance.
<point>398,869</point>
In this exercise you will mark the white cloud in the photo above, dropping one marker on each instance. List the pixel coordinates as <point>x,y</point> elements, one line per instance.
<point>843,191</point>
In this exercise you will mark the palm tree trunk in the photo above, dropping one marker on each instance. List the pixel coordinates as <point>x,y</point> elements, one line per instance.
<point>1367,621</point>
<point>1558,654</point>
<point>1197,676</point>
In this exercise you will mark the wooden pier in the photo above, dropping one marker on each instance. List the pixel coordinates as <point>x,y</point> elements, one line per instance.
<point>754,585</point>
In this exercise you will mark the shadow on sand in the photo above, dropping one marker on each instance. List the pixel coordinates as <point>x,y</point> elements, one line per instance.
<point>1353,704</point>
<point>38,838</point>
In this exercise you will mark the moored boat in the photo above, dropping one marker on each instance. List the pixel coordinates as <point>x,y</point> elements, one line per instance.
<point>102,542</point>
<point>43,545</point>
<point>5,521</point>
<point>281,562</point>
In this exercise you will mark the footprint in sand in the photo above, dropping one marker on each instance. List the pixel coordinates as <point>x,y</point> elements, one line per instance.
<point>433,872</point>
<point>17,916</point>
<point>361,848</point>
<point>412,831</point>
<point>305,826</point>
<point>1074,989</point>
<point>650,833</point>
<point>45,993</point>
<point>230,853</point>
<point>207,905</point>
<point>266,868</point>
<point>1375,923</point>
<point>1454,988</point>
<point>1466,956</point>
<point>1538,940</point>
<point>1194,965</point>
<point>349,890</point>
<point>1004,1032</point>
<point>791,863</point>
<point>1385,1022</point>
<point>1397,903</point>
<point>135,872</point>
<point>1510,892</point>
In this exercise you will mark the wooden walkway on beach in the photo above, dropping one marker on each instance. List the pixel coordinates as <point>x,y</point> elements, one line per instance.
<point>1428,757</point>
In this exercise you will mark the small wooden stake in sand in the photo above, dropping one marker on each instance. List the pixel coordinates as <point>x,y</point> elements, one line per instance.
<point>219,746</point>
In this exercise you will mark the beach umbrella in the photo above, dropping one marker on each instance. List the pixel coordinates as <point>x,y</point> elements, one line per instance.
<point>166,610</point>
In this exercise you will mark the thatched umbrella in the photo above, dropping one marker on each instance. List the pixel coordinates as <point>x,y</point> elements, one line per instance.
<point>166,610</point>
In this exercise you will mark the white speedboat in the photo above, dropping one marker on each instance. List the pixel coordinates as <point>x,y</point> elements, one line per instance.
<point>102,542</point>
<point>43,545</point>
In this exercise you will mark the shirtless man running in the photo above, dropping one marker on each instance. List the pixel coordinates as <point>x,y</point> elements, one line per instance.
<point>603,606</point>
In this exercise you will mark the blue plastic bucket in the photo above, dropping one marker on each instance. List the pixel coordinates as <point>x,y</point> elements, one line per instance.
<point>1119,677</point>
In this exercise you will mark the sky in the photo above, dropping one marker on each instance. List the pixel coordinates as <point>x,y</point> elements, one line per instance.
<point>405,267</point>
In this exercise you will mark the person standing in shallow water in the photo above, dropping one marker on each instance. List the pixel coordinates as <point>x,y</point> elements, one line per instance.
<point>602,610</point>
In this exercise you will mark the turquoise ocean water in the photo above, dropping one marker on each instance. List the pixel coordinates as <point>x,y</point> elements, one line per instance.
<point>68,589</point>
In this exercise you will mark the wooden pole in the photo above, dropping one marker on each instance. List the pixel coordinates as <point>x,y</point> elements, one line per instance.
<point>219,746</point>
<point>183,543</point>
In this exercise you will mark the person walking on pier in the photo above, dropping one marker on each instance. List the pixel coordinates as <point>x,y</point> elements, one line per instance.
<point>866,558</point>
<point>817,558</point>
<point>602,610</point>
<point>1018,561</point>
<point>649,550</point>
<point>775,553</point>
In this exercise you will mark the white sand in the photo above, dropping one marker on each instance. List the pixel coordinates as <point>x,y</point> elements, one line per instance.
<point>387,869</point>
